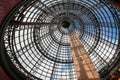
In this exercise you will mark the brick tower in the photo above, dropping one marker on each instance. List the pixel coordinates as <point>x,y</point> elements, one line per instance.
<point>84,67</point>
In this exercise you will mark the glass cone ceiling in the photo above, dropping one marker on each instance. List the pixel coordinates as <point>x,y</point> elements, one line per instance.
<point>36,36</point>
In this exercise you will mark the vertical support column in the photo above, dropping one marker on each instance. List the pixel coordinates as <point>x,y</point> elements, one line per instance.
<point>84,67</point>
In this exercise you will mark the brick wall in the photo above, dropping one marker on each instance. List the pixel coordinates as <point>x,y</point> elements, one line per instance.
<point>85,70</point>
<point>5,7</point>
<point>3,75</point>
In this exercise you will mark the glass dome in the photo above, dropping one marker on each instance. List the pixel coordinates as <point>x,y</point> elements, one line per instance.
<point>35,37</point>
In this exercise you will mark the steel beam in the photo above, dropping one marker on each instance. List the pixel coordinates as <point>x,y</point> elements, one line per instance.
<point>35,23</point>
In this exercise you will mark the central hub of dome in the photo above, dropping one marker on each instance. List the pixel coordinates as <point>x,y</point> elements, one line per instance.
<point>65,24</point>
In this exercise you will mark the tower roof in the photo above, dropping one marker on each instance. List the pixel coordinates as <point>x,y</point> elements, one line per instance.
<point>35,40</point>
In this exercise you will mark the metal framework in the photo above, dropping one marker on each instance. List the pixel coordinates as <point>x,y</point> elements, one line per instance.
<point>35,42</point>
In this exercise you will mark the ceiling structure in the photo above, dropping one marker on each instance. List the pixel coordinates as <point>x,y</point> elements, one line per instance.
<point>35,38</point>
